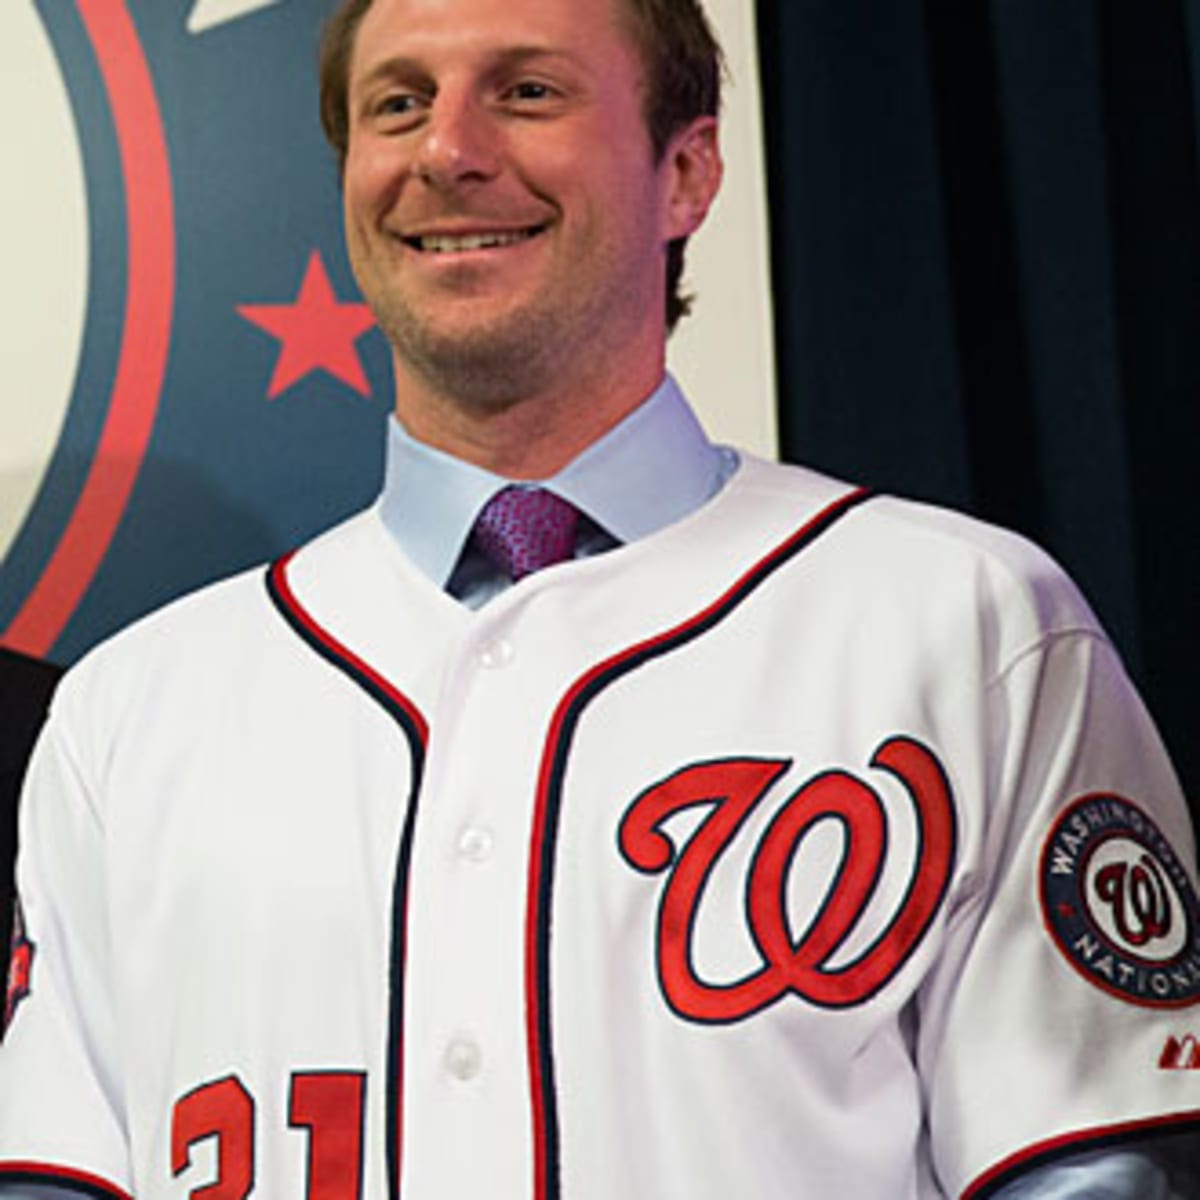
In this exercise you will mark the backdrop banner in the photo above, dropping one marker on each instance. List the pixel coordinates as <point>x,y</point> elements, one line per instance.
<point>981,287</point>
<point>194,382</point>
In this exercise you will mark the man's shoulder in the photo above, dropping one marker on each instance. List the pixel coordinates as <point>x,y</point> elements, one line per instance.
<point>221,626</point>
<point>920,549</point>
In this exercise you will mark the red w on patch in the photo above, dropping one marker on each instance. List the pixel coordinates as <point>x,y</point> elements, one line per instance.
<point>20,967</point>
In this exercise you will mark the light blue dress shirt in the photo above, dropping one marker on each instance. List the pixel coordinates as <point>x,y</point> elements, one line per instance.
<point>652,469</point>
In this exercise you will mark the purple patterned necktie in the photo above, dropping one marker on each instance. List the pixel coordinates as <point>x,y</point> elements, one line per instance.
<point>523,529</point>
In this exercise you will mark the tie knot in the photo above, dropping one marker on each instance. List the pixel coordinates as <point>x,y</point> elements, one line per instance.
<point>523,529</point>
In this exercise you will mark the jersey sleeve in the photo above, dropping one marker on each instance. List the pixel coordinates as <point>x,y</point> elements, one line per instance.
<point>1104,1175</point>
<point>1062,1015</point>
<point>37,1191</point>
<point>60,1090</point>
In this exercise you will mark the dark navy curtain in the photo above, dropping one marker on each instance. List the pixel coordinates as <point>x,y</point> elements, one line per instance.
<point>986,260</point>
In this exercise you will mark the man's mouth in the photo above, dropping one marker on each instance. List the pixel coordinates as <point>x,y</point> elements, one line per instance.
<point>457,243</point>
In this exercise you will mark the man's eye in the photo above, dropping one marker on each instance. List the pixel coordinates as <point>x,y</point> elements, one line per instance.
<point>396,104</point>
<point>398,107</point>
<point>531,89</point>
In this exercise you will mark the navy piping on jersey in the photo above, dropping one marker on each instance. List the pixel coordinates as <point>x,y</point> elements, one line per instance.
<point>545,829</point>
<point>416,730</point>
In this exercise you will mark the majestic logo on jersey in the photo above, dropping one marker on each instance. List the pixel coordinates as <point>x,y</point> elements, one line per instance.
<point>815,966</point>
<point>1181,1054</point>
<point>1118,903</point>
<point>176,287</point>
<point>20,966</point>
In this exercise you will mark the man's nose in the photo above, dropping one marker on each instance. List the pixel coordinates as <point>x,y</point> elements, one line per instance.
<point>459,143</point>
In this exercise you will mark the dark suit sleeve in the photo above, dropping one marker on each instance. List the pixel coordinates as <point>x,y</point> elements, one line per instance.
<point>25,689</point>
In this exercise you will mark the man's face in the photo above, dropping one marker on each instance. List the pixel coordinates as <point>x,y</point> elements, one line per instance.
<point>504,214</point>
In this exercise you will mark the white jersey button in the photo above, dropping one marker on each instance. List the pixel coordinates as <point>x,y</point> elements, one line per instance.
<point>463,1059</point>
<point>498,653</point>
<point>475,844</point>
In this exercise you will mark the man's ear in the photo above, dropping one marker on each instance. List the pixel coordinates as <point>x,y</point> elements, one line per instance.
<point>693,160</point>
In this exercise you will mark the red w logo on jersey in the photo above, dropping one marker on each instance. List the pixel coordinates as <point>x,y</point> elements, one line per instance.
<point>733,787</point>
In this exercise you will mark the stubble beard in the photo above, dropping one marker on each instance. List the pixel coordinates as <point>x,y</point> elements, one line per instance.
<point>493,364</point>
<point>488,367</point>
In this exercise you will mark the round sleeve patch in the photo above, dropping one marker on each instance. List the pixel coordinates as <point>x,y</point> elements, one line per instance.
<point>1119,904</point>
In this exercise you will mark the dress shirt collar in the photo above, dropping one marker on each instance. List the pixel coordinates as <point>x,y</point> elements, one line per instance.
<point>648,471</point>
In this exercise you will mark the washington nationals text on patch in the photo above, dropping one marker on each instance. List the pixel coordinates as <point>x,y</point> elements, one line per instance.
<point>1120,904</point>
<point>669,872</point>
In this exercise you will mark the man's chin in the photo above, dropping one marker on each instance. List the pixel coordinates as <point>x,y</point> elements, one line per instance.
<point>485,364</point>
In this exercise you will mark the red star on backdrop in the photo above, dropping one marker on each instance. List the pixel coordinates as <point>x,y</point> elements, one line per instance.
<point>316,332</point>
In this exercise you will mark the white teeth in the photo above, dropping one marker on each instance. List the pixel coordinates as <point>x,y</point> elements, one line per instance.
<point>446,244</point>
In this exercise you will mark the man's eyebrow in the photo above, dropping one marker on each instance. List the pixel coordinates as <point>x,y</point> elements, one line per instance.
<point>397,67</point>
<point>518,55</point>
<point>402,66</point>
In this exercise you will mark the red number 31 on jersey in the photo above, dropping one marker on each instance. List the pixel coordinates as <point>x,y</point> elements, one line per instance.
<point>326,1104</point>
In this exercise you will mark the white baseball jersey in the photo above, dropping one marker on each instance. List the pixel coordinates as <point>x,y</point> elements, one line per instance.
<point>815,845</point>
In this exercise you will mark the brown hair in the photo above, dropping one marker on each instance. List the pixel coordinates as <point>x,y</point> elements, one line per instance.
<point>680,56</point>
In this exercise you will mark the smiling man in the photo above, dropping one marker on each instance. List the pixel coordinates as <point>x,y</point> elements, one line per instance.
<point>603,813</point>
<point>508,218</point>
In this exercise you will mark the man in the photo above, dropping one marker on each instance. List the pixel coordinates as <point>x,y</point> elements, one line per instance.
<point>690,826</point>
<point>25,688</point>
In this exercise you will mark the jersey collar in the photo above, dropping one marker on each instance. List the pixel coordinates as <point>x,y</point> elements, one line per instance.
<point>647,472</point>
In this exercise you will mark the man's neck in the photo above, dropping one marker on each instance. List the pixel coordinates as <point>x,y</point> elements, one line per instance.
<point>535,436</point>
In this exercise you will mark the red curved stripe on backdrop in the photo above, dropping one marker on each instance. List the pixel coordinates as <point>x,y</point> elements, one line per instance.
<point>149,306</point>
